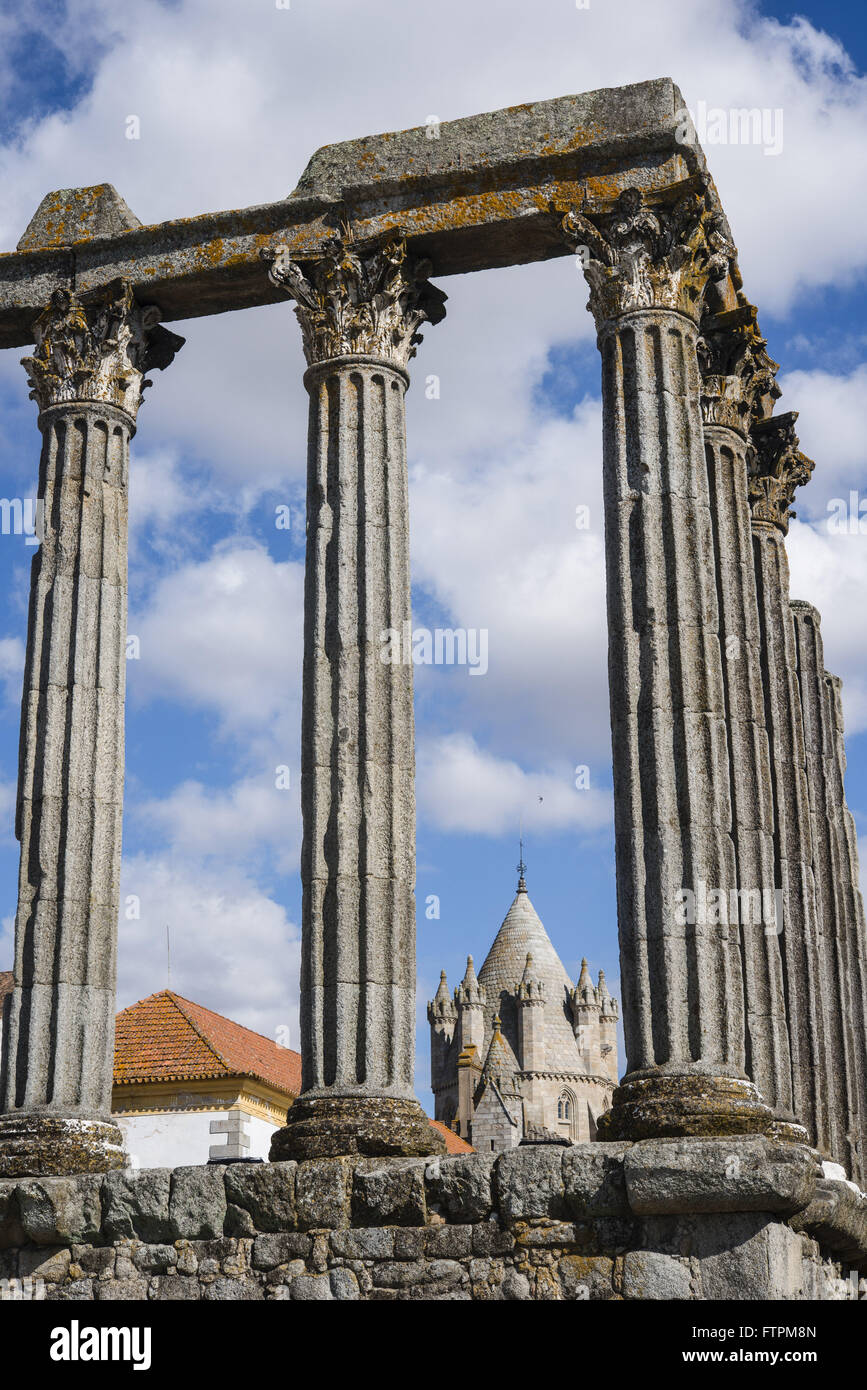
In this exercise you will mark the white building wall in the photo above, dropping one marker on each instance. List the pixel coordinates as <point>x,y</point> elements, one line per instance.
<point>174,1139</point>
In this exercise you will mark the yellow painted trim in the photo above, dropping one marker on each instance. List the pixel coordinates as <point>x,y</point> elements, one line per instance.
<point>185,1097</point>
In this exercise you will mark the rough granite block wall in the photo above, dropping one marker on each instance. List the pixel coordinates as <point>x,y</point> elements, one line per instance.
<point>661,1219</point>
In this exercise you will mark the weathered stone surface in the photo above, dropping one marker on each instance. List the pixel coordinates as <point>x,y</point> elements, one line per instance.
<point>359,309</point>
<point>265,1193</point>
<point>586,1278</point>
<point>55,1211</point>
<point>86,373</point>
<point>593,143</point>
<point>647,1274</point>
<point>593,1181</point>
<point>837,1219</point>
<point>389,1194</point>
<point>322,1188</point>
<point>540,1256</point>
<point>155,1259</point>
<point>76,214</point>
<point>460,1187</point>
<point>698,1175</point>
<point>528,1182</point>
<point>135,1203</point>
<point>197,1203</point>
<point>269,1251</point>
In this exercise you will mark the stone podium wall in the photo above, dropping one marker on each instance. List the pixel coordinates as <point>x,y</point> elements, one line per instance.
<point>661,1219</point>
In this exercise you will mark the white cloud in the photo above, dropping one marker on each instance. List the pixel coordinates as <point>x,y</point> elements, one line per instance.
<point>831,430</point>
<point>461,787</point>
<point>498,547</point>
<point>233,947</point>
<point>830,571</point>
<point>240,823</point>
<point>12,667</point>
<point>225,634</point>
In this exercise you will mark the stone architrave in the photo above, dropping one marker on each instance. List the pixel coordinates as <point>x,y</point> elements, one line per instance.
<point>776,469</point>
<point>738,381</point>
<point>360,308</point>
<point>649,269</point>
<point>87,374</point>
<point>835,870</point>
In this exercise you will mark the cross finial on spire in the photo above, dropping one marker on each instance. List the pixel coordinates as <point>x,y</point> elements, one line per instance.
<point>521,866</point>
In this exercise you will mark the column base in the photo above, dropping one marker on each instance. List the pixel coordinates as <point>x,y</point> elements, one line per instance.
<point>675,1106</point>
<point>370,1126</point>
<point>41,1145</point>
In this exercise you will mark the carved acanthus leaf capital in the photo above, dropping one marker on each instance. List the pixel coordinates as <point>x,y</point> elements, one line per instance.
<point>662,257</point>
<point>354,299</point>
<point>738,376</point>
<point>776,468</point>
<point>97,348</point>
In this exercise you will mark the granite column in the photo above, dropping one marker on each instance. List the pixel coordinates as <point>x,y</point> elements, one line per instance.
<point>87,376</point>
<point>359,309</point>
<point>776,469</point>
<point>737,381</point>
<point>649,269</point>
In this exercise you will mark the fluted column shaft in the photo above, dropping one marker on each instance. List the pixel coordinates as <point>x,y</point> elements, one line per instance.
<point>810,1044</point>
<point>838,897</point>
<point>682,982</point>
<point>86,373</point>
<point>70,784</point>
<point>768,1061</point>
<point>852,911</point>
<point>357,794</point>
<point>358,311</point>
<point>680,978</point>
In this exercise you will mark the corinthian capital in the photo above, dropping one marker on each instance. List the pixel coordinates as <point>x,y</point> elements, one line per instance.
<point>368,300</point>
<point>776,468</point>
<point>97,348</point>
<point>738,376</point>
<point>638,257</point>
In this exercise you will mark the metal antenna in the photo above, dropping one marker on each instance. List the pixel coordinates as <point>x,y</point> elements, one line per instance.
<point>168,958</point>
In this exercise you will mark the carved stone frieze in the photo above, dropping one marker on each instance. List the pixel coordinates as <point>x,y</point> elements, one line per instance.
<point>636,256</point>
<point>369,300</point>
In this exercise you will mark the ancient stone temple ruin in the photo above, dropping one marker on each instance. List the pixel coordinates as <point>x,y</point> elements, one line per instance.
<point>729,1161</point>
<point>519,1052</point>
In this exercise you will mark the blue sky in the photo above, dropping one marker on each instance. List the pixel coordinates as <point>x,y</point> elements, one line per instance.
<point>232,101</point>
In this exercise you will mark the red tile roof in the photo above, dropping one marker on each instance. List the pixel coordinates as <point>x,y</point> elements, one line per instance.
<point>168,1038</point>
<point>454,1143</point>
<point>6,978</point>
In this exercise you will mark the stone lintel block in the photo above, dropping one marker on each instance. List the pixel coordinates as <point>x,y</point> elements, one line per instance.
<point>672,1176</point>
<point>389,1192</point>
<point>837,1219</point>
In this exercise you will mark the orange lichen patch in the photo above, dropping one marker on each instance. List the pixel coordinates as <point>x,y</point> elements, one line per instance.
<point>168,1038</point>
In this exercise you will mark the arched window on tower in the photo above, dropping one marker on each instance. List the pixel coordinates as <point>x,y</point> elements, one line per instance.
<point>566,1114</point>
